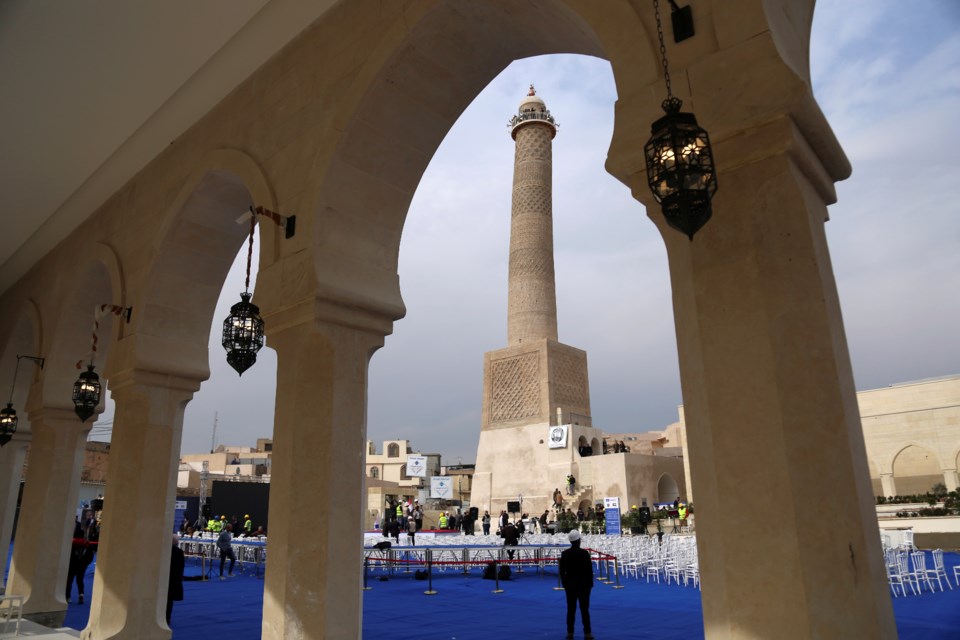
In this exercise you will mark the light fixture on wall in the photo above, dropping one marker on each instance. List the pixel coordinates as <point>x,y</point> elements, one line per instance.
<point>680,169</point>
<point>87,389</point>
<point>243,328</point>
<point>8,417</point>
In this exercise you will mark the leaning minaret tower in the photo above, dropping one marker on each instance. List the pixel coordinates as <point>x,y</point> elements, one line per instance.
<point>532,302</point>
<point>536,389</point>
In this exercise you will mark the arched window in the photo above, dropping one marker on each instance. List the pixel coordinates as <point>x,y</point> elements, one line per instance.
<point>393,450</point>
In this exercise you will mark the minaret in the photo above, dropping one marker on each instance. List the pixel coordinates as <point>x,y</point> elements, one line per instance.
<point>536,395</point>
<point>532,302</point>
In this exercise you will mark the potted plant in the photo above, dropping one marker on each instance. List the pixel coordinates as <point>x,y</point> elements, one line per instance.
<point>659,517</point>
<point>631,520</point>
<point>566,522</point>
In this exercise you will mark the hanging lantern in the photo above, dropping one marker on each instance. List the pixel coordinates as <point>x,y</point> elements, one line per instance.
<point>680,168</point>
<point>8,416</point>
<point>679,159</point>
<point>86,393</point>
<point>243,334</point>
<point>8,423</point>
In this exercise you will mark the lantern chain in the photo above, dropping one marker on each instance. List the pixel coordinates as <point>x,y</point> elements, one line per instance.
<point>253,226</point>
<point>663,49</point>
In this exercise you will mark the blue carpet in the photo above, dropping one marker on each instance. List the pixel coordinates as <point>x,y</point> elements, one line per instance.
<point>466,609</point>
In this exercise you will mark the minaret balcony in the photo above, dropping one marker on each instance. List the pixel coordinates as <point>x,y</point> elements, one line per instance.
<point>526,117</point>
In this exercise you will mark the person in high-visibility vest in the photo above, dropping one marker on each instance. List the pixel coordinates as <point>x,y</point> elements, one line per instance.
<point>682,512</point>
<point>443,520</point>
<point>247,525</point>
<point>399,510</point>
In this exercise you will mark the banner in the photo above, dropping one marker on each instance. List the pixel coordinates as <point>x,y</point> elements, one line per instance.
<point>557,437</point>
<point>611,513</point>
<point>441,487</point>
<point>179,509</point>
<point>417,466</point>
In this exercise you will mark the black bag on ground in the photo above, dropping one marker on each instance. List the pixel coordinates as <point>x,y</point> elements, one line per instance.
<point>490,571</point>
<point>420,574</point>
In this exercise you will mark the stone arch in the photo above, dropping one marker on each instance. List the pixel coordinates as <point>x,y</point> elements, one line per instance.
<point>92,284</point>
<point>26,339</point>
<point>597,446</point>
<point>199,242</point>
<point>422,78</point>
<point>916,468</point>
<point>667,488</point>
<point>393,450</point>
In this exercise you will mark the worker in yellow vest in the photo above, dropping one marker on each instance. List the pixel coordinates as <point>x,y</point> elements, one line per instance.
<point>682,512</point>
<point>443,520</point>
<point>247,525</point>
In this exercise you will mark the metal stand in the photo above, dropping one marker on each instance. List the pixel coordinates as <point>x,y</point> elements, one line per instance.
<point>366,566</point>
<point>616,572</point>
<point>496,572</point>
<point>429,591</point>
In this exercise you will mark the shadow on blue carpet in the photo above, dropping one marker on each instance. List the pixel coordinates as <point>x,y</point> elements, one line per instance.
<point>465,608</point>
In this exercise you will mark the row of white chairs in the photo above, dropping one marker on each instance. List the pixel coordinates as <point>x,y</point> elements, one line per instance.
<point>909,569</point>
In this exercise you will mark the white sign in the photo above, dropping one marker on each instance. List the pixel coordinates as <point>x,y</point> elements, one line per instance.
<point>441,487</point>
<point>611,503</point>
<point>417,466</point>
<point>557,437</point>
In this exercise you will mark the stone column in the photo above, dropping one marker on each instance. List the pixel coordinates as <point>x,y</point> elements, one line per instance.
<point>770,404</point>
<point>950,479</point>
<point>135,535</point>
<point>312,588</point>
<point>11,467</point>
<point>51,490</point>
<point>888,484</point>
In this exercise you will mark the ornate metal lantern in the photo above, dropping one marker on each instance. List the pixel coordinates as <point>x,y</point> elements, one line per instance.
<point>86,393</point>
<point>8,415</point>
<point>243,334</point>
<point>680,168</point>
<point>8,423</point>
<point>679,158</point>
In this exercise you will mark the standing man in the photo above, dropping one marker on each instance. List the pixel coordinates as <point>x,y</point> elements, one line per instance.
<point>247,526</point>
<point>486,523</point>
<point>576,576</point>
<point>226,549</point>
<point>175,590</point>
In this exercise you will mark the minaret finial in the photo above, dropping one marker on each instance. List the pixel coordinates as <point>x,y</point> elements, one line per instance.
<point>533,91</point>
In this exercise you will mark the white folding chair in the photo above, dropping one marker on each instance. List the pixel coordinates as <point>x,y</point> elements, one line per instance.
<point>939,568</point>
<point>10,606</point>
<point>920,571</point>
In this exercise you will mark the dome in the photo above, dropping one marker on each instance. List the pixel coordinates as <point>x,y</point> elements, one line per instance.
<point>532,103</point>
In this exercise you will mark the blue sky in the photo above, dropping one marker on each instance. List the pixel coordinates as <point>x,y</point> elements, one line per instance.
<point>886,74</point>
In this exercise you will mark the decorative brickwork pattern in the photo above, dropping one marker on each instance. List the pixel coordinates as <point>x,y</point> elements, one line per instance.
<point>515,388</point>
<point>569,375</point>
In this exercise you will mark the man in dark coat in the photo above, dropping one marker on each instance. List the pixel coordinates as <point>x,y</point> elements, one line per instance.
<point>511,538</point>
<point>576,576</point>
<point>175,590</point>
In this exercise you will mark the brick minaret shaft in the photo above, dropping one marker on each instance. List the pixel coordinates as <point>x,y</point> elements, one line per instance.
<point>532,302</point>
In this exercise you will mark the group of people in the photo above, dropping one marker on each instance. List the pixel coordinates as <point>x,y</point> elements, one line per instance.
<point>217,524</point>
<point>402,517</point>
<point>616,447</point>
<point>83,549</point>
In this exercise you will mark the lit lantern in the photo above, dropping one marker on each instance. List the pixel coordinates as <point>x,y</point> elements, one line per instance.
<point>243,334</point>
<point>86,393</point>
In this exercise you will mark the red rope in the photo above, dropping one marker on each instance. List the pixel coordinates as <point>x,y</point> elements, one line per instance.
<point>98,312</point>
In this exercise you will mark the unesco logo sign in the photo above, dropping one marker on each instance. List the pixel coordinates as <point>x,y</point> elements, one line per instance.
<point>557,437</point>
